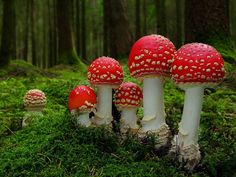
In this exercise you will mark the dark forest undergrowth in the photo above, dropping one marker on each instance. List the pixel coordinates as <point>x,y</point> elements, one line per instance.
<point>54,146</point>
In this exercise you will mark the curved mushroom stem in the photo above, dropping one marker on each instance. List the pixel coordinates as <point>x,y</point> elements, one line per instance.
<point>83,119</point>
<point>153,103</point>
<point>104,105</point>
<point>187,139</point>
<point>128,119</point>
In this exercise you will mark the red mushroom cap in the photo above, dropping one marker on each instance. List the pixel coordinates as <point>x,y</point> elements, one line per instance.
<point>151,55</point>
<point>34,99</point>
<point>197,63</point>
<point>82,98</point>
<point>105,71</point>
<point>128,94</point>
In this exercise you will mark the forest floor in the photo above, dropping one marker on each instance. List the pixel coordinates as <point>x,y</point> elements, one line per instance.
<point>54,146</point>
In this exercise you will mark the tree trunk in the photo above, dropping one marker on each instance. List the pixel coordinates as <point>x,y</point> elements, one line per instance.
<point>205,20</point>
<point>78,27</point>
<point>8,43</point>
<point>137,20</point>
<point>144,25</point>
<point>179,23</point>
<point>33,43</point>
<point>83,30</point>
<point>106,28</point>
<point>120,34</point>
<point>161,17</point>
<point>233,20</point>
<point>66,49</point>
<point>26,32</point>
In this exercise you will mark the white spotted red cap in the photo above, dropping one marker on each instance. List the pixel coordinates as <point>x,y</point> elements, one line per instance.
<point>34,99</point>
<point>82,98</point>
<point>151,55</point>
<point>105,71</point>
<point>197,63</point>
<point>128,94</point>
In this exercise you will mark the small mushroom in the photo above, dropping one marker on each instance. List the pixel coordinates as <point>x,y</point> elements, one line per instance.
<point>195,67</point>
<point>81,102</point>
<point>128,97</point>
<point>105,73</point>
<point>149,61</point>
<point>34,102</point>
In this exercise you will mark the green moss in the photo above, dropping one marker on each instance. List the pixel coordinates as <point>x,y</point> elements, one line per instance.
<point>53,146</point>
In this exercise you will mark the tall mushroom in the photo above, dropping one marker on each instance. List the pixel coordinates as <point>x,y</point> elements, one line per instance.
<point>195,67</point>
<point>105,73</point>
<point>81,102</point>
<point>34,102</point>
<point>128,97</point>
<point>149,60</point>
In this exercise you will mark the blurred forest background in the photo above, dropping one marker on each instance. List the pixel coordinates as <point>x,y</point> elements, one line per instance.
<point>50,32</point>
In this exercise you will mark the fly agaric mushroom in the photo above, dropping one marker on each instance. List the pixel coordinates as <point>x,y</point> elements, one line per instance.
<point>128,98</point>
<point>150,60</point>
<point>105,73</point>
<point>34,102</point>
<point>195,67</point>
<point>81,102</point>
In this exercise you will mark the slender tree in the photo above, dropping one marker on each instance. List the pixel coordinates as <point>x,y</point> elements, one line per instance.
<point>106,14</point>
<point>161,17</point>
<point>26,31</point>
<point>205,20</point>
<point>66,48</point>
<point>78,26</point>
<point>83,30</point>
<point>179,23</point>
<point>144,24</point>
<point>32,24</point>
<point>119,31</point>
<point>8,42</point>
<point>137,20</point>
<point>233,20</point>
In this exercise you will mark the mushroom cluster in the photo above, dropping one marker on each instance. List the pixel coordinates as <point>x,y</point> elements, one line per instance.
<point>149,61</point>
<point>81,101</point>
<point>128,97</point>
<point>34,102</point>
<point>152,58</point>
<point>195,67</point>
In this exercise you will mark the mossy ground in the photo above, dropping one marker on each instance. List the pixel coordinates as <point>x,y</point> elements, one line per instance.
<point>54,146</point>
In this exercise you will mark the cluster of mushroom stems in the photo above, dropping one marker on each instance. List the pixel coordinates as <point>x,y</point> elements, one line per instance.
<point>152,59</point>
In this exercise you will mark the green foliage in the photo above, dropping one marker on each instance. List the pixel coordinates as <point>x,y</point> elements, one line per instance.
<point>53,146</point>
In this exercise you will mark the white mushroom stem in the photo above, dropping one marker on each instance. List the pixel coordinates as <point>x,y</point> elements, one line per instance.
<point>83,119</point>
<point>188,128</point>
<point>30,115</point>
<point>153,104</point>
<point>128,119</point>
<point>186,143</point>
<point>104,105</point>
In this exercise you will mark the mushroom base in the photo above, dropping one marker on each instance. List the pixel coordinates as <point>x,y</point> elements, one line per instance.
<point>83,120</point>
<point>189,155</point>
<point>128,121</point>
<point>163,135</point>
